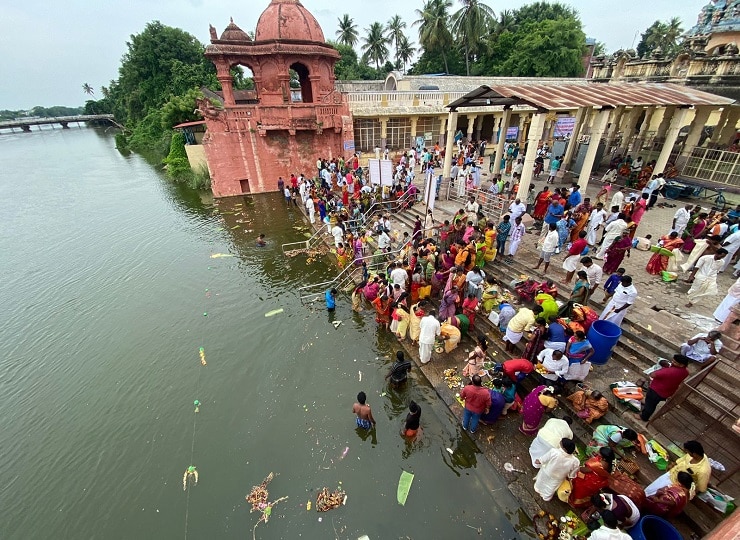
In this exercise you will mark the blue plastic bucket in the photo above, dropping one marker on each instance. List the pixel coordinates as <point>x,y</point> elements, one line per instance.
<point>654,528</point>
<point>603,336</point>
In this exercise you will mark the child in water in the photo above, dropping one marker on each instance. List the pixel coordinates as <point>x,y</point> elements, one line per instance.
<point>261,242</point>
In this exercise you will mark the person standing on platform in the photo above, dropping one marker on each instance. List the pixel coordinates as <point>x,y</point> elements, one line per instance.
<point>429,328</point>
<point>623,298</point>
<point>477,401</point>
<point>663,384</point>
<point>556,465</point>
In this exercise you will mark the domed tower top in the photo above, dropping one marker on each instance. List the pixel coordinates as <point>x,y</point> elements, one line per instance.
<point>288,20</point>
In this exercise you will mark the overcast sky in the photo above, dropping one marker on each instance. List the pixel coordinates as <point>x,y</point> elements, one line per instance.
<point>49,48</point>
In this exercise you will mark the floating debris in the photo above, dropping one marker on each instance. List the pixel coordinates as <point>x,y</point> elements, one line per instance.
<point>273,312</point>
<point>326,501</point>
<point>404,485</point>
<point>221,255</point>
<point>190,477</point>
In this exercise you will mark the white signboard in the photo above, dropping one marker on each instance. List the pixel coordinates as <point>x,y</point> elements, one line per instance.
<point>430,189</point>
<point>373,167</point>
<point>386,172</point>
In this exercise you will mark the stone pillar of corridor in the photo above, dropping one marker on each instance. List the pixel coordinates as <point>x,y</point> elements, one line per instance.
<point>533,139</point>
<point>597,131</point>
<point>573,143</point>
<point>479,127</point>
<point>505,119</point>
<point>628,129</point>
<point>471,126</point>
<point>637,145</point>
<point>442,131</point>
<point>665,121</point>
<point>727,135</point>
<point>223,74</point>
<point>414,124</point>
<point>383,133</point>
<point>522,124</point>
<point>671,134</point>
<point>614,120</point>
<point>451,126</point>
<point>701,115</point>
<point>720,124</point>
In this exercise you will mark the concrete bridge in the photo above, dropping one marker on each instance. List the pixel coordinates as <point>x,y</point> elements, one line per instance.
<point>25,123</point>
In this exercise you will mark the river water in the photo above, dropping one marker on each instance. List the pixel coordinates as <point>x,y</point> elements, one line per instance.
<point>109,289</point>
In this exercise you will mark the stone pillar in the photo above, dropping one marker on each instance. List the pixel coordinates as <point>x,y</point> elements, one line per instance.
<point>637,145</point>
<point>535,133</point>
<point>479,127</point>
<point>471,126</point>
<point>442,130</point>
<point>720,124</point>
<point>727,134</point>
<point>665,122</point>
<point>451,126</point>
<point>616,119</point>
<point>671,135</point>
<point>628,129</point>
<point>597,131</point>
<point>573,143</point>
<point>505,119</point>
<point>227,83</point>
<point>383,132</point>
<point>701,115</point>
<point>414,122</point>
<point>522,125</point>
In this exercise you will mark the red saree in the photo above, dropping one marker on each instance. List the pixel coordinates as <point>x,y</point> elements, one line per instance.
<point>586,484</point>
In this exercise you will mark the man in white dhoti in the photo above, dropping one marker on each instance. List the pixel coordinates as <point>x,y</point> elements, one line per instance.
<point>703,347</point>
<point>555,466</point>
<point>613,231</point>
<point>681,219</point>
<point>517,233</point>
<point>429,330</point>
<point>549,437</point>
<point>595,220</point>
<point>703,278</point>
<point>700,246</point>
<point>731,244</point>
<point>623,298</point>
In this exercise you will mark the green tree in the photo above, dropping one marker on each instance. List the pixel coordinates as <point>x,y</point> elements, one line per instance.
<point>406,51</point>
<point>469,24</point>
<point>349,67</point>
<point>88,89</point>
<point>434,28</point>
<point>551,48</point>
<point>661,36</point>
<point>544,11</point>
<point>395,35</point>
<point>375,45</point>
<point>347,33</point>
<point>451,62</point>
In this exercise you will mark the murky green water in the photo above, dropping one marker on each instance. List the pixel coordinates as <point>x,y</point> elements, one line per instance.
<point>106,277</point>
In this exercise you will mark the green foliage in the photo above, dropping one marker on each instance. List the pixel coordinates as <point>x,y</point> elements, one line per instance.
<point>44,112</point>
<point>347,32</point>
<point>177,160</point>
<point>434,28</point>
<point>469,25</point>
<point>661,36</point>
<point>349,67</point>
<point>551,48</point>
<point>375,46</point>
<point>179,109</point>
<point>434,62</point>
<point>544,11</point>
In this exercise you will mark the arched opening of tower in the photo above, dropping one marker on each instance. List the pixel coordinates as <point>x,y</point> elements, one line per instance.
<point>245,92</point>
<point>303,83</point>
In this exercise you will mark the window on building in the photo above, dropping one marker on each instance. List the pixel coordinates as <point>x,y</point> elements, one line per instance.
<point>399,133</point>
<point>367,134</point>
<point>428,127</point>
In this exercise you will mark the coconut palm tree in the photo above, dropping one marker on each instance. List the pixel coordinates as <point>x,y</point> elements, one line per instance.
<point>88,89</point>
<point>406,51</point>
<point>469,25</point>
<point>347,33</point>
<point>394,30</point>
<point>376,46</point>
<point>434,31</point>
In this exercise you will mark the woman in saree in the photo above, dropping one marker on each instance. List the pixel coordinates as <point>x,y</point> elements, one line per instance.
<point>603,194</point>
<point>538,401</point>
<point>402,316</point>
<point>358,249</point>
<point>579,349</point>
<point>579,294</point>
<point>536,341</point>
<point>461,322</point>
<point>564,226</point>
<point>659,261</point>
<point>645,174</point>
<point>469,308</point>
<point>490,296</point>
<point>615,437</point>
<point>549,306</point>
<point>416,313</point>
<point>342,256</point>
<point>357,296</point>
<point>694,232</point>
<point>541,202</point>
<point>480,252</point>
<point>580,216</point>
<point>592,477</point>
<point>382,305</point>
<point>670,501</point>
<point>450,336</point>
<point>615,253</point>
<point>476,358</point>
<point>625,167</point>
<point>448,304</point>
<point>589,404</point>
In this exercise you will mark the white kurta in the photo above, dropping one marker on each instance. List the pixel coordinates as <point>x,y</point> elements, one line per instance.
<point>556,466</point>
<point>549,437</point>
<point>622,296</point>
<point>705,279</point>
<point>594,222</point>
<point>613,231</point>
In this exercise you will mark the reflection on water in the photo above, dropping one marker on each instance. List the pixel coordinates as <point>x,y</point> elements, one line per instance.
<point>109,291</point>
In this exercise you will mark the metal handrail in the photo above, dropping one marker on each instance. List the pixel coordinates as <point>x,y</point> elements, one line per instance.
<point>307,244</point>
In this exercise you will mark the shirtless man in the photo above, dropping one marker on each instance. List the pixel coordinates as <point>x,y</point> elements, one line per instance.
<point>364,418</point>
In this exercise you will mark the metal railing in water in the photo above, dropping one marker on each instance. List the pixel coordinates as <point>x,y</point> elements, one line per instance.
<point>353,224</point>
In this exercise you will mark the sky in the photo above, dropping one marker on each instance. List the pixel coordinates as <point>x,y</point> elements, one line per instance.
<point>48,48</point>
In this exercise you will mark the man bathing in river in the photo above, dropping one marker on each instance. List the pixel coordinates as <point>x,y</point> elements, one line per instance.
<point>364,418</point>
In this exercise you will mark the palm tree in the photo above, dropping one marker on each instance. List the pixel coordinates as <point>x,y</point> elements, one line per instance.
<point>673,33</point>
<point>88,89</point>
<point>433,23</point>
<point>375,47</point>
<point>395,34</point>
<point>506,22</point>
<point>347,33</point>
<point>469,24</point>
<point>406,51</point>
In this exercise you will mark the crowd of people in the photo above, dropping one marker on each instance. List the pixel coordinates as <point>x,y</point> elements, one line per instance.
<point>429,287</point>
